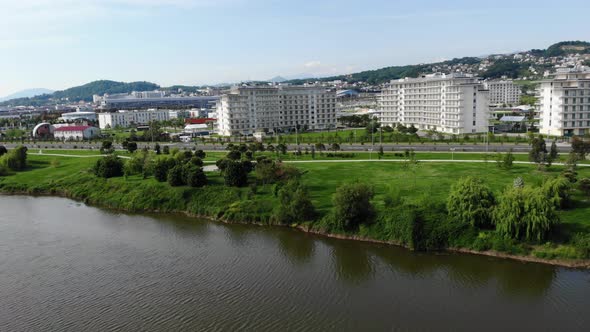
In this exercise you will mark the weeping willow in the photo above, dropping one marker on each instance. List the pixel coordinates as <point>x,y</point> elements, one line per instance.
<point>470,202</point>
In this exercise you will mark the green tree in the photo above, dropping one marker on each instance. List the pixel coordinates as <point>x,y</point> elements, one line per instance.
<point>584,186</point>
<point>200,154</point>
<point>108,167</point>
<point>235,173</point>
<point>508,160</point>
<point>294,204</point>
<point>166,149</point>
<point>15,159</point>
<point>553,154</point>
<point>470,202</point>
<point>3,150</point>
<point>107,147</point>
<point>131,147</point>
<point>157,148</point>
<point>538,153</point>
<point>194,175</point>
<point>580,147</point>
<point>161,167</point>
<point>525,214</point>
<point>352,206</point>
<point>175,176</point>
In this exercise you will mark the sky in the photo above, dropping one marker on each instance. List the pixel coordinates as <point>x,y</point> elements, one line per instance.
<point>57,44</point>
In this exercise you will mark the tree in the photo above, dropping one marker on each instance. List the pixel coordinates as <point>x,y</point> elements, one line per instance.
<point>194,175</point>
<point>538,153</point>
<point>282,148</point>
<point>161,167</point>
<point>108,167</point>
<point>312,152</point>
<point>200,154</point>
<point>584,186</point>
<point>352,206</point>
<point>553,154</point>
<point>235,173</point>
<point>380,153</point>
<point>175,176</point>
<point>335,147</point>
<point>508,160</point>
<point>166,149</point>
<point>580,147</point>
<point>131,147</point>
<point>16,159</point>
<point>234,155</point>
<point>294,204</point>
<point>3,150</point>
<point>135,164</point>
<point>470,202</point>
<point>107,147</point>
<point>525,214</point>
<point>557,190</point>
<point>157,148</point>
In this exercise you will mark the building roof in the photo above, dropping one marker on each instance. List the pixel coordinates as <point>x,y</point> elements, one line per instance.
<point>73,128</point>
<point>196,126</point>
<point>508,118</point>
<point>199,121</point>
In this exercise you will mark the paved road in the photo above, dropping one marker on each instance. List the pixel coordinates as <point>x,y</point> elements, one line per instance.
<point>388,147</point>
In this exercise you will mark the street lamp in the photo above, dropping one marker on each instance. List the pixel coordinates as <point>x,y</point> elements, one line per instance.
<point>452,153</point>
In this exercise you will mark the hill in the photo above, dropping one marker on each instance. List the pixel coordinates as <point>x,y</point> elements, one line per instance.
<point>27,94</point>
<point>84,92</point>
<point>530,64</point>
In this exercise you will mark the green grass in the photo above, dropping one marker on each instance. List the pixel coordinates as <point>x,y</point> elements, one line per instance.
<point>427,181</point>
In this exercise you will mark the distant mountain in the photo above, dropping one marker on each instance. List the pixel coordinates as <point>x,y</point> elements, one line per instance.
<point>277,79</point>
<point>84,92</point>
<point>27,93</point>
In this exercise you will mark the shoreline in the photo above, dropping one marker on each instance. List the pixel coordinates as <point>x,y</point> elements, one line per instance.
<point>566,263</point>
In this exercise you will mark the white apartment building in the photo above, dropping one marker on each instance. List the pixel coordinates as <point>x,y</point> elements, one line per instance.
<point>134,117</point>
<point>249,109</point>
<point>452,104</point>
<point>503,92</point>
<point>564,102</point>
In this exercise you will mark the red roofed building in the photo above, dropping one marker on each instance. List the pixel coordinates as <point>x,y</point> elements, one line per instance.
<point>76,132</point>
<point>199,120</point>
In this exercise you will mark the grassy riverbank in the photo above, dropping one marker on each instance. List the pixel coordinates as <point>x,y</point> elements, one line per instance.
<point>426,183</point>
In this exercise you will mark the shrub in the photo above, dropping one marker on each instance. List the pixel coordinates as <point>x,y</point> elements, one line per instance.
<point>175,176</point>
<point>352,206</point>
<point>16,159</point>
<point>194,175</point>
<point>166,149</point>
<point>525,214</point>
<point>470,202</point>
<point>3,150</point>
<point>294,204</point>
<point>584,186</point>
<point>108,167</point>
<point>582,244</point>
<point>235,173</point>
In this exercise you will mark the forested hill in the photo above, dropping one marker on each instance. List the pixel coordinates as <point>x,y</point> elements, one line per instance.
<point>528,64</point>
<point>85,92</point>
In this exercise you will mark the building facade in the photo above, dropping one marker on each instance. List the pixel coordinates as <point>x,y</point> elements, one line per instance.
<point>249,109</point>
<point>76,133</point>
<point>129,118</point>
<point>452,104</point>
<point>503,92</point>
<point>564,103</point>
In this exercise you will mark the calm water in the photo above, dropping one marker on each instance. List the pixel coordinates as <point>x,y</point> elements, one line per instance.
<point>66,266</point>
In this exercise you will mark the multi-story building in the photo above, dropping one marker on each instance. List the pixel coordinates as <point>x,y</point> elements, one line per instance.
<point>503,92</point>
<point>128,118</point>
<point>248,109</point>
<point>152,99</point>
<point>453,104</point>
<point>564,102</point>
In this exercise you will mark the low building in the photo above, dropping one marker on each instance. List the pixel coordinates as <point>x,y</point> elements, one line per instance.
<point>126,119</point>
<point>77,133</point>
<point>74,116</point>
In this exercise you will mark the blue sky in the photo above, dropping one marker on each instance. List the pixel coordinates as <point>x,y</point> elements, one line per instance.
<point>56,44</point>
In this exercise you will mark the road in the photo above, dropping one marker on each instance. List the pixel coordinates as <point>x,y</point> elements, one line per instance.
<point>387,147</point>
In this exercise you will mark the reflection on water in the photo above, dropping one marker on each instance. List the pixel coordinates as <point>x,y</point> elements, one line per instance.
<point>66,266</point>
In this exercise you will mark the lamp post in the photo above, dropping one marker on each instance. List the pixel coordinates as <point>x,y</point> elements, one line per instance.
<point>452,153</point>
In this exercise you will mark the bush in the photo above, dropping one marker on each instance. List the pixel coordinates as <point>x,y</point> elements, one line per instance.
<point>584,186</point>
<point>161,168</point>
<point>294,204</point>
<point>3,150</point>
<point>582,244</point>
<point>166,149</point>
<point>557,191</point>
<point>175,176</point>
<point>470,202</point>
<point>235,173</point>
<point>194,175</point>
<point>200,154</point>
<point>525,214</point>
<point>108,167</point>
<point>352,206</point>
<point>16,159</point>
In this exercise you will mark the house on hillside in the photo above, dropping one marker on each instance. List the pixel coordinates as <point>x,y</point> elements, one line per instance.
<point>69,133</point>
